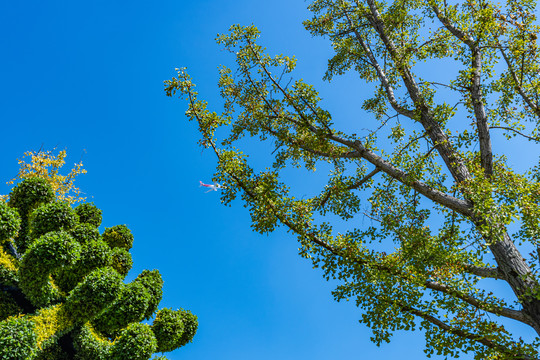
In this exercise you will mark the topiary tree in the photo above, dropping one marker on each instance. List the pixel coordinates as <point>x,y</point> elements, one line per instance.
<point>61,289</point>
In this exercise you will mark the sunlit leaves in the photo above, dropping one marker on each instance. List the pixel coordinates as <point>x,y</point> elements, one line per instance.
<point>46,165</point>
<point>404,259</point>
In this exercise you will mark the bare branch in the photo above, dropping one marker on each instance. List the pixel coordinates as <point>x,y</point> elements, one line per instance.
<point>517,84</point>
<point>350,187</point>
<point>380,73</point>
<point>517,132</point>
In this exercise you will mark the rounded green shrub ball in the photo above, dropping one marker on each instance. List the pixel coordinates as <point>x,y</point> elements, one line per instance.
<point>50,251</point>
<point>136,342</point>
<point>190,327</point>
<point>121,260</point>
<point>130,306</point>
<point>55,216</point>
<point>46,255</point>
<point>118,236</point>
<point>17,339</point>
<point>85,233</point>
<point>153,283</point>
<point>29,194</point>
<point>168,328</point>
<point>88,346</point>
<point>96,292</point>
<point>10,222</point>
<point>94,254</point>
<point>89,214</point>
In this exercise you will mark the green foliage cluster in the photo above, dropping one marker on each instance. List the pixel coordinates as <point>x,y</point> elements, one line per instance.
<point>62,294</point>
<point>172,328</point>
<point>118,236</point>
<point>89,214</point>
<point>9,221</point>
<point>18,340</point>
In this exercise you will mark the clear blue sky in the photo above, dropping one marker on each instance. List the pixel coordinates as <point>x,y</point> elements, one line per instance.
<point>87,77</point>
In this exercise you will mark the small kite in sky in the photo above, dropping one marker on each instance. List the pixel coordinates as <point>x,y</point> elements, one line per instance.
<point>212,187</point>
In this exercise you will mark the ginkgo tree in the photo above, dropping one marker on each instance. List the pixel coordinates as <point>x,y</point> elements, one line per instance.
<point>449,220</point>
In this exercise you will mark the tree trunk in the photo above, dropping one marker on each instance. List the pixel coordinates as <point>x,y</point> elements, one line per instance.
<point>519,276</point>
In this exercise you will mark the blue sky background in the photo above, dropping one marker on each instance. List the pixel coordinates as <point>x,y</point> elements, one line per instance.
<point>88,77</point>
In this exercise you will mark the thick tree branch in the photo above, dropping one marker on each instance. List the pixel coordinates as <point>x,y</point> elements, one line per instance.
<point>451,158</point>
<point>475,90</point>
<point>486,155</point>
<point>509,260</point>
<point>513,314</point>
<point>458,33</point>
<point>502,311</point>
<point>462,333</point>
<point>304,231</point>
<point>484,272</point>
<point>462,207</point>
<point>506,312</point>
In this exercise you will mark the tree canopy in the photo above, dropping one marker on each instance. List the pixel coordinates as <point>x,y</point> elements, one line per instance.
<point>449,218</point>
<point>62,294</point>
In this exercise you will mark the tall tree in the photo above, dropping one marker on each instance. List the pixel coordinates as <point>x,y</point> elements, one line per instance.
<point>61,291</point>
<point>437,191</point>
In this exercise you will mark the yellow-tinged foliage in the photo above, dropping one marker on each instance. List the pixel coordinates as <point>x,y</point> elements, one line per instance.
<point>97,336</point>
<point>49,322</point>
<point>55,287</point>
<point>46,165</point>
<point>6,261</point>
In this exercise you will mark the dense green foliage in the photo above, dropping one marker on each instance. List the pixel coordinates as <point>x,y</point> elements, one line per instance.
<point>62,294</point>
<point>421,214</point>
